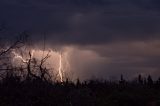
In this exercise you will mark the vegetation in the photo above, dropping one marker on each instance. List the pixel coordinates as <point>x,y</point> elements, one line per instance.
<point>14,92</point>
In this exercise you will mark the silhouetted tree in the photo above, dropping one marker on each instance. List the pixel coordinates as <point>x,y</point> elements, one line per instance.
<point>6,50</point>
<point>78,83</point>
<point>122,80</point>
<point>149,80</point>
<point>140,80</point>
<point>158,81</point>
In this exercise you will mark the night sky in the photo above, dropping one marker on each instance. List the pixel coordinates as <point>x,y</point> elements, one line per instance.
<point>105,38</point>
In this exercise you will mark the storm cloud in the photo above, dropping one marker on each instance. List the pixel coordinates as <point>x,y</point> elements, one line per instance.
<point>84,21</point>
<point>112,37</point>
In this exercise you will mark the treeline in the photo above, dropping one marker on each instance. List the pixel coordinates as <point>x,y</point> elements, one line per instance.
<point>34,92</point>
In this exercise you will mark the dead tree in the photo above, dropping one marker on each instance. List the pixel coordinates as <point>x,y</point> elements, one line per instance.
<point>6,51</point>
<point>33,68</point>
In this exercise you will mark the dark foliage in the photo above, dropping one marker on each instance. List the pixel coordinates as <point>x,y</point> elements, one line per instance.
<point>37,92</point>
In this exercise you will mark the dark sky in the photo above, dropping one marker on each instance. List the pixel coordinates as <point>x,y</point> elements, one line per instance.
<point>109,37</point>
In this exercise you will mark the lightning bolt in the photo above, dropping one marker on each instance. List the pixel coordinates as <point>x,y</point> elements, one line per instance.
<point>17,56</point>
<point>60,67</point>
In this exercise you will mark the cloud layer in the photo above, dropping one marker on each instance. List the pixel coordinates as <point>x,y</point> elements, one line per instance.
<point>84,21</point>
<point>121,36</point>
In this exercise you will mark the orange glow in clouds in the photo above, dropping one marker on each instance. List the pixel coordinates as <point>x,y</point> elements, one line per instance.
<point>57,60</point>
